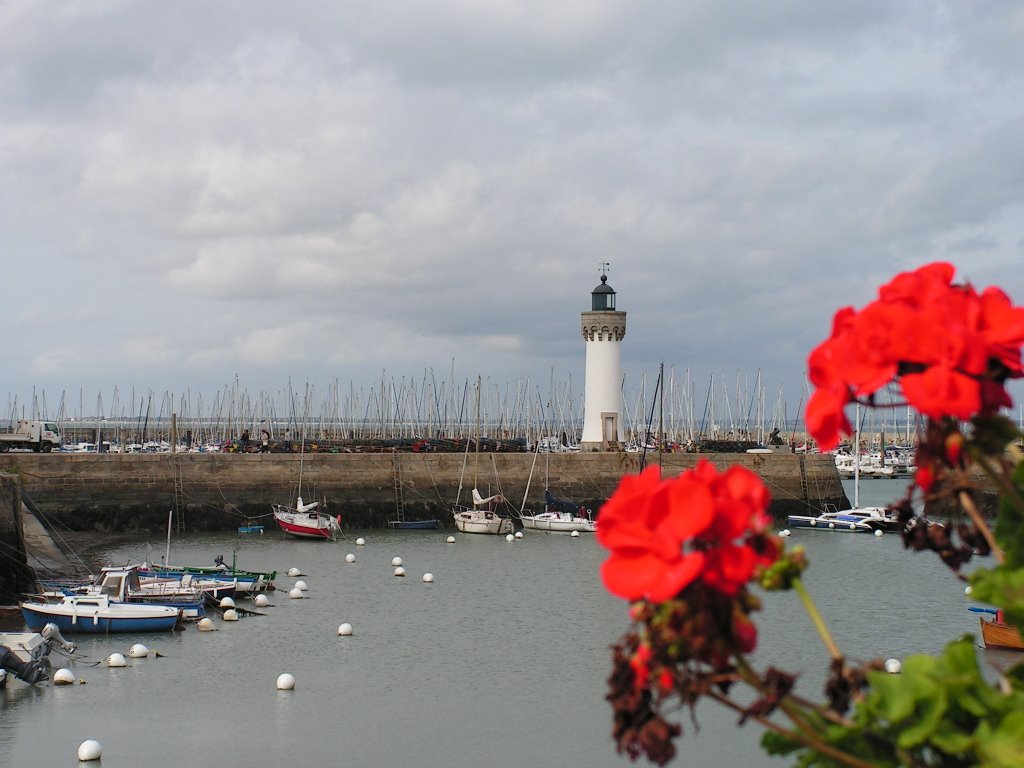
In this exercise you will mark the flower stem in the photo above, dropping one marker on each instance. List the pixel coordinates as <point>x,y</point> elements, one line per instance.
<point>802,736</point>
<point>972,511</point>
<point>817,620</point>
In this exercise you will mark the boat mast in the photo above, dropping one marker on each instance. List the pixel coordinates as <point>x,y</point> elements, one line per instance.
<point>856,461</point>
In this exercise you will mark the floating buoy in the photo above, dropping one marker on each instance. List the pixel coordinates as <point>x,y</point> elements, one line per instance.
<point>261,600</point>
<point>450,539</point>
<point>230,615</point>
<point>399,571</point>
<point>968,589</point>
<point>285,682</point>
<point>574,535</point>
<point>205,624</point>
<point>878,532</point>
<point>116,660</point>
<point>428,578</point>
<point>510,537</point>
<point>345,630</point>
<point>227,602</point>
<point>853,526</point>
<point>300,584</point>
<point>294,572</point>
<point>396,561</point>
<point>519,534</point>
<point>295,593</point>
<point>360,541</point>
<point>813,523</point>
<point>831,525</point>
<point>63,676</point>
<point>893,666</point>
<point>138,650</point>
<point>350,558</point>
<point>89,749</point>
<point>784,532</point>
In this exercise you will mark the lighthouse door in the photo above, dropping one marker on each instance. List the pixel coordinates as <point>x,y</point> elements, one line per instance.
<point>609,428</point>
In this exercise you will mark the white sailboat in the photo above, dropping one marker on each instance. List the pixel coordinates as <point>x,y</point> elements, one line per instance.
<point>483,516</point>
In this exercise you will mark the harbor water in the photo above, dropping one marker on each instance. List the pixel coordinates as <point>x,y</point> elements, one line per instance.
<point>501,661</point>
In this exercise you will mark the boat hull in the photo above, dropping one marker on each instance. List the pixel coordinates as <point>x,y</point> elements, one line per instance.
<point>467,522</point>
<point>551,522</point>
<point>112,619</point>
<point>409,525</point>
<point>1003,636</point>
<point>303,531</point>
<point>819,524</point>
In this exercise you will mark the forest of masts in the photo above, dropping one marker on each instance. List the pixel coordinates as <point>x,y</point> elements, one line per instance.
<point>664,406</point>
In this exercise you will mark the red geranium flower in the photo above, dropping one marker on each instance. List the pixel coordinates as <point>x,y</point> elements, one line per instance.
<point>665,534</point>
<point>949,348</point>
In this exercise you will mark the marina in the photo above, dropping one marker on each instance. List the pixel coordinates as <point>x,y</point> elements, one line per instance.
<point>515,634</point>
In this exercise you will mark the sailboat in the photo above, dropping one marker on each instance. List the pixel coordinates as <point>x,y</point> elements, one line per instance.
<point>483,516</point>
<point>856,519</point>
<point>306,521</point>
<point>558,514</point>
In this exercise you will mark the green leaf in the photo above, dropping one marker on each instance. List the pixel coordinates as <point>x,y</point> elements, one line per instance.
<point>1004,747</point>
<point>953,742</point>
<point>930,710</point>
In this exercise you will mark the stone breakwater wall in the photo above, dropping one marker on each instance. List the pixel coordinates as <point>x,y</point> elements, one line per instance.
<point>135,492</point>
<point>15,575</point>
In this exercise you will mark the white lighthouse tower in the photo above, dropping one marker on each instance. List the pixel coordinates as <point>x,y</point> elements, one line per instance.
<point>603,330</point>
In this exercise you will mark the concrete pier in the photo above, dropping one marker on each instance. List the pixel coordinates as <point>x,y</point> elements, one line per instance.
<point>135,492</point>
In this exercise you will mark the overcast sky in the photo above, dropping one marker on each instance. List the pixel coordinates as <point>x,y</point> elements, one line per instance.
<point>198,194</point>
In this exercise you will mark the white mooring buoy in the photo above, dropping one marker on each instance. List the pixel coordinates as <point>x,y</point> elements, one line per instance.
<point>360,541</point>
<point>230,615</point>
<point>574,535</point>
<point>227,602</point>
<point>509,537</point>
<point>89,749</point>
<point>285,682</point>
<point>205,624</point>
<point>261,600</point>
<point>138,651</point>
<point>893,666</point>
<point>350,558</point>
<point>300,584</point>
<point>345,630</point>
<point>396,561</point>
<point>450,540</point>
<point>399,571</point>
<point>63,676</point>
<point>116,660</point>
<point>428,578</point>
<point>295,593</point>
<point>878,532</point>
<point>294,572</point>
<point>519,534</point>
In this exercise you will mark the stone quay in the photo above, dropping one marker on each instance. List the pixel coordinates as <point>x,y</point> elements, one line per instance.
<point>131,493</point>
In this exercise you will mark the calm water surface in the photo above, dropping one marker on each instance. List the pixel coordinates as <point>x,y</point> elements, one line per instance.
<point>501,662</point>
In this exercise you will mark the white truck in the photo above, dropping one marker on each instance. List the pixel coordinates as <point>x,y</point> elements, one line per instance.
<point>38,435</point>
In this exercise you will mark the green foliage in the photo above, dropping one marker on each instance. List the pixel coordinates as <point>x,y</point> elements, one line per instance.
<point>939,711</point>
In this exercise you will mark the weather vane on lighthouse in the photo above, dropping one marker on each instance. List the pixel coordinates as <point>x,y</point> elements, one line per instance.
<point>604,266</point>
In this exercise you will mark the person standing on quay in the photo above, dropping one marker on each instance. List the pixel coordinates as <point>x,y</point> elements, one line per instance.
<point>264,441</point>
<point>244,440</point>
